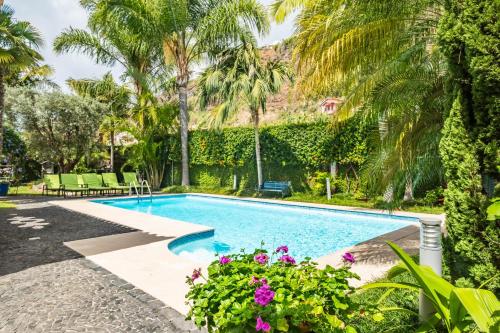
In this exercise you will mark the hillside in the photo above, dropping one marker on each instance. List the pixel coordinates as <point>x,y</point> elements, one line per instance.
<point>287,106</point>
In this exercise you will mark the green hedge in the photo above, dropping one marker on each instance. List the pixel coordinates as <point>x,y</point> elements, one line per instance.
<point>289,152</point>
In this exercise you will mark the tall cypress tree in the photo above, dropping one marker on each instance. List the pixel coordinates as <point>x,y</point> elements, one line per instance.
<point>469,36</point>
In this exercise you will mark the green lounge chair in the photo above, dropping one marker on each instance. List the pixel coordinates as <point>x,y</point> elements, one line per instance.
<point>69,182</point>
<point>51,183</point>
<point>111,181</point>
<point>130,178</point>
<point>94,183</point>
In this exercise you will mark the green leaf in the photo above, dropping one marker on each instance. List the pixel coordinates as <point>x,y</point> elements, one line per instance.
<point>397,270</point>
<point>334,321</point>
<point>378,316</point>
<point>480,304</point>
<point>430,282</point>
<point>494,210</point>
<point>282,325</point>
<point>397,285</point>
<point>350,329</point>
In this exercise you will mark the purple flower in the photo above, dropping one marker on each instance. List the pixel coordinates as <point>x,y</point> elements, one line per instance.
<point>261,258</point>
<point>262,325</point>
<point>287,259</point>
<point>224,260</point>
<point>282,248</point>
<point>264,295</point>
<point>196,274</point>
<point>349,257</point>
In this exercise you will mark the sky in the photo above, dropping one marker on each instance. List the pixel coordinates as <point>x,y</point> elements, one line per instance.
<point>51,17</point>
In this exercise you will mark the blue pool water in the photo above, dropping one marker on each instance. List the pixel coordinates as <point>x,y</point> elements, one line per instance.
<point>308,232</point>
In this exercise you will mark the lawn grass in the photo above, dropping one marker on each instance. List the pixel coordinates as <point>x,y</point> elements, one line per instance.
<point>337,199</point>
<point>23,190</point>
<point>393,321</point>
<point>6,204</point>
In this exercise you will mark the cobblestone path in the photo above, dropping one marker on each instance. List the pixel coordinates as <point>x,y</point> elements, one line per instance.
<point>47,287</point>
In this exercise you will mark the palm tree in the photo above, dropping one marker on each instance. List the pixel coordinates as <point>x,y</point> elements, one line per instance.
<point>187,31</point>
<point>33,76</point>
<point>19,42</point>
<point>239,77</point>
<point>382,55</point>
<point>115,96</point>
<point>109,43</point>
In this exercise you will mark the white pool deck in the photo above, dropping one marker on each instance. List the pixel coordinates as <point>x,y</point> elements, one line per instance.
<point>161,273</point>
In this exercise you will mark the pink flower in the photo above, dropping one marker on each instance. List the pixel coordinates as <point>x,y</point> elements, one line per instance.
<point>349,257</point>
<point>224,260</point>
<point>282,248</point>
<point>262,325</point>
<point>264,295</point>
<point>261,258</point>
<point>287,259</point>
<point>196,274</point>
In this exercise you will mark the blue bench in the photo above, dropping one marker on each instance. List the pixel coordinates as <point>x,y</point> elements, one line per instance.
<point>285,188</point>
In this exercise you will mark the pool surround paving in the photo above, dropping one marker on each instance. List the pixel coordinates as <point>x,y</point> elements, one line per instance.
<point>156,270</point>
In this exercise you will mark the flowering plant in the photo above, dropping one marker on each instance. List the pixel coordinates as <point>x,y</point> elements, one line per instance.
<point>258,292</point>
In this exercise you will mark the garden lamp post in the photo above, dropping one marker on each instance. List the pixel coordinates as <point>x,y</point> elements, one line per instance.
<point>431,254</point>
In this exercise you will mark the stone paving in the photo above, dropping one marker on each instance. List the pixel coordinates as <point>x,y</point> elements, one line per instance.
<point>47,287</point>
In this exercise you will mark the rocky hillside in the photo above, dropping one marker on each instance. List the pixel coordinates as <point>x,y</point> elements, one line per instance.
<point>287,106</point>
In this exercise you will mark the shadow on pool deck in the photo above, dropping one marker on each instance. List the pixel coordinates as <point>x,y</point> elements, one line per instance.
<point>34,234</point>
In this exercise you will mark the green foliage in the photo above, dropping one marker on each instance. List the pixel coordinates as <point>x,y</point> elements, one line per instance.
<point>469,35</point>
<point>152,127</point>
<point>290,152</point>
<point>317,183</point>
<point>19,42</point>
<point>306,299</point>
<point>457,309</point>
<point>370,301</point>
<point>432,197</point>
<point>58,127</point>
<point>494,210</point>
<point>472,244</point>
<point>16,154</point>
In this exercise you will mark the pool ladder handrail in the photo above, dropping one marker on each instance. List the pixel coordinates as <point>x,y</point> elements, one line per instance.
<point>145,182</point>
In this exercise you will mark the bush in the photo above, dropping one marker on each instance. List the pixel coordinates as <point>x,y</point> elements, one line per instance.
<point>207,180</point>
<point>317,183</point>
<point>433,197</point>
<point>249,292</point>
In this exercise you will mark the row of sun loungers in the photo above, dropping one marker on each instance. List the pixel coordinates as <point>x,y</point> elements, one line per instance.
<point>89,183</point>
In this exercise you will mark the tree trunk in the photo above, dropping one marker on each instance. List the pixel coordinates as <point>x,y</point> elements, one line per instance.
<point>183,105</point>
<point>408,196</point>
<point>2,106</point>
<point>112,151</point>
<point>255,116</point>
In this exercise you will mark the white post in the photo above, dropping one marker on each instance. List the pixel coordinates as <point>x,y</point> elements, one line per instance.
<point>235,182</point>
<point>333,169</point>
<point>431,254</point>
<point>328,189</point>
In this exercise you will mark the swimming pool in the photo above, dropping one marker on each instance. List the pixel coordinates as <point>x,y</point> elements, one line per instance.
<point>244,224</point>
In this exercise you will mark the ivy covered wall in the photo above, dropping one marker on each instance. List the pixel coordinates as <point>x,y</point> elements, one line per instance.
<point>289,152</point>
